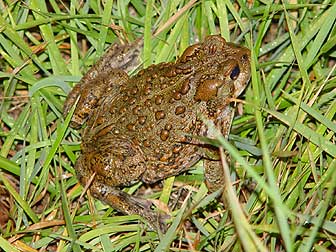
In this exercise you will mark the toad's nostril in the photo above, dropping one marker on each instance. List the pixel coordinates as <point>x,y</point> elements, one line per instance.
<point>245,57</point>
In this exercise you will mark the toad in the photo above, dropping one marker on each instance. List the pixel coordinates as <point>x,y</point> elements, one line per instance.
<point>141,128</point>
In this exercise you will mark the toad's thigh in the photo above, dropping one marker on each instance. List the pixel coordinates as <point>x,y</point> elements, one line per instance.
<point>115,162</point>
<point>91,93</point>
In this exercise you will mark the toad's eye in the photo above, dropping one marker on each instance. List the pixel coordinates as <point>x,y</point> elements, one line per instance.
<point>235,73</point>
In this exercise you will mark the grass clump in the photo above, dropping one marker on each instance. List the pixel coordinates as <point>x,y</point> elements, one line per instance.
<point>282,143</point>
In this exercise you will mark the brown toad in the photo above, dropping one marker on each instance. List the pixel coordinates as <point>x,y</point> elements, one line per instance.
<point>140,128</point>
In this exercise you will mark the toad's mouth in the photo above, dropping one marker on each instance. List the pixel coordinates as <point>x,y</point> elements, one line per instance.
<point>239,86</point>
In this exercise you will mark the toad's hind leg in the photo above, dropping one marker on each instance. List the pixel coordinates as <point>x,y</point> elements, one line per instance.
<point>112,170</point>
<point>127,204</point>
<point>91,92</point>
<point>103,78</point>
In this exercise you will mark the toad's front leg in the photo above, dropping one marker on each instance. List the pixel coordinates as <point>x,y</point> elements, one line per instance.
<point>214,174</point>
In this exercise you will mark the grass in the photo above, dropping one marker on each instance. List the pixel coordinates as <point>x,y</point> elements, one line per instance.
<point>283,171</point>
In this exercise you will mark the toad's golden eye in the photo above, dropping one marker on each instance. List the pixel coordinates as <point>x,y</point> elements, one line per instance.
<point>235,73</point>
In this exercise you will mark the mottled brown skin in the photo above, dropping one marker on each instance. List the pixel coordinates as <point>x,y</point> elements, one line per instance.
<point>140,128</point>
